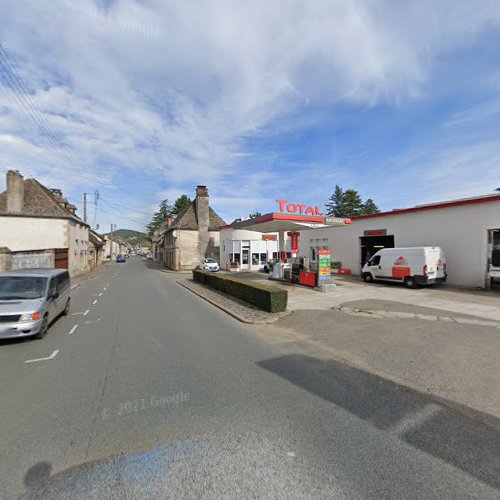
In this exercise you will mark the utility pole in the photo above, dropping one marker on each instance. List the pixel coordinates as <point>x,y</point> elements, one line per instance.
<point>85,208</point>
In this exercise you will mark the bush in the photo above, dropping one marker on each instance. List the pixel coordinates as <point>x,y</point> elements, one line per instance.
<point>268,298</point>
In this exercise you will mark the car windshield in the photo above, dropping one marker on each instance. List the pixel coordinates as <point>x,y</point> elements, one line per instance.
<point>22,287</point>
<point>210,261</point>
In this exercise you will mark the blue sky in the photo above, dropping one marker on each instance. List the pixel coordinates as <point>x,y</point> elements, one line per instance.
<point>258,100</point>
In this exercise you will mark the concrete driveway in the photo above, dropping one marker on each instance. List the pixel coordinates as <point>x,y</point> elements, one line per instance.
<point>478,303</point>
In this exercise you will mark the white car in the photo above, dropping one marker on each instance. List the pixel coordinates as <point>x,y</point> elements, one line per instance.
<point>210,265</point>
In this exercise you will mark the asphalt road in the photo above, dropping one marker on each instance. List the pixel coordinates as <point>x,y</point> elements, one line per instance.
<point>154,393</point>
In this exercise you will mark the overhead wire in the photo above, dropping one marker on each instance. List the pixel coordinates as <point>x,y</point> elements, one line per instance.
<point>126,208</point>
<point>23,97</point>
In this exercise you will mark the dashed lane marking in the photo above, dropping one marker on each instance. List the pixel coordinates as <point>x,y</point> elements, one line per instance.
<point>95,302</point>
<point>73,330</point>
<point>52,356</point>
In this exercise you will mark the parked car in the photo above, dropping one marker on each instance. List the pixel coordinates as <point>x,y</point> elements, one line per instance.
<point>268,266</point>
<point>412,266</point>
<point>31,299</point>
<point>121,258</point>
<point>149,256</point>
<point>210,265</point>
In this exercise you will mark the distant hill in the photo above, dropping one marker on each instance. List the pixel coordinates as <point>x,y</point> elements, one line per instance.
<point>130,236</point>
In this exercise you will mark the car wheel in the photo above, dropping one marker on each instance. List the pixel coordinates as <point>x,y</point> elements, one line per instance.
<point>368,278</point>
<point>43,331</point>
<point>410,282</point>
<point>66,309</point>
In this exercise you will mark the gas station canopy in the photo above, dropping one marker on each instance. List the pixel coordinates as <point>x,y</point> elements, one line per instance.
<point>277,222</point>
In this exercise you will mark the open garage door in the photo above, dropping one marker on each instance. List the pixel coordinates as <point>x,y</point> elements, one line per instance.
<point>372,244</point>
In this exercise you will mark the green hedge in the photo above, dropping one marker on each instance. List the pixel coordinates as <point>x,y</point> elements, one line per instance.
<point>269,298</point>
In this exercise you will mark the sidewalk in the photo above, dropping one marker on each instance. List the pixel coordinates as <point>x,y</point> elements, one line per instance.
<point>242,311</point>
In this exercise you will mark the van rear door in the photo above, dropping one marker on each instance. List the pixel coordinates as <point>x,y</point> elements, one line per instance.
<point>432,261</point>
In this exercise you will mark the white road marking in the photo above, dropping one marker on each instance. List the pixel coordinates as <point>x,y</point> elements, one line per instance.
<point>92,321</point>
<point>73,330</point>
<point>86,312</point>
<point>413,420</point>
<point>52,356</point>
<point>290,454</point>
<point>75,314</point>
<point>105,288</point>
<point>95,302</point>
<point>100,295</point>
<point>107,284</point>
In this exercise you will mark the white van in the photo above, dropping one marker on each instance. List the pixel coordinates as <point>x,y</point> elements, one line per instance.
<point>412,266</point>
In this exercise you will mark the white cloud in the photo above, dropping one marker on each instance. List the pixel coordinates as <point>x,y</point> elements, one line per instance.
<point>174,89</point>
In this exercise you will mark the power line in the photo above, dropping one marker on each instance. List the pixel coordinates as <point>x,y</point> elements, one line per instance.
<point>127,208</point>
<point>23,97</point>
<point>122,216</point>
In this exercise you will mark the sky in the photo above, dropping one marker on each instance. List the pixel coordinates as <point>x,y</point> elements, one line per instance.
<point>143,100</point>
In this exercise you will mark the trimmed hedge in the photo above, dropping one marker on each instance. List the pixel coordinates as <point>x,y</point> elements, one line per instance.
<point>269,298</point>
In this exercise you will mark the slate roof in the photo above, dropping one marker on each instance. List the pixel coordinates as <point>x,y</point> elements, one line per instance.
<point>186,219</point>
<point>40,202</point>
<point>96,239</point>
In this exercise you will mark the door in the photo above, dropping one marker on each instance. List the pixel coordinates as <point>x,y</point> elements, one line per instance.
<point>374,266</point>
<point>53,304</point>
<point>61,258</point>
<point>245,255</point>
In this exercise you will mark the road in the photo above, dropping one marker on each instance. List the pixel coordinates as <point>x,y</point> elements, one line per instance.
<point>154,393</point>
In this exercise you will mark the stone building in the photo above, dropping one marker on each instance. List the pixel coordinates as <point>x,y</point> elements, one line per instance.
<point>192,236</point>
<point>40,228</point>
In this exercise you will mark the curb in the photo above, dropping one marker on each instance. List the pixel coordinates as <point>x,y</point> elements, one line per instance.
<point>227,310</point>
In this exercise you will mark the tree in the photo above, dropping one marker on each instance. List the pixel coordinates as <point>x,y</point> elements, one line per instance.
<point>369,207</point>
<point>181,203</point>
<point>163,214</point>
<point>254,215</point>
<point>335,204</point>
<point>348,203</point>
<point>352,203</point>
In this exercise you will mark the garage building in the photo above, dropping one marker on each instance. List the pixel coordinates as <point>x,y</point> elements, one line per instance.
<point>468,230</point>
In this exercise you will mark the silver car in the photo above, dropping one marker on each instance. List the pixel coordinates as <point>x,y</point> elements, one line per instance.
<point>30,299</point>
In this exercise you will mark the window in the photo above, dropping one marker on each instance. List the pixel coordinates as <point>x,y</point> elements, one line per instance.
<point>263,258</point>
<point>255,259</point>
<point>374,261</point>
<point>236,257</point>
<point>275,255</point>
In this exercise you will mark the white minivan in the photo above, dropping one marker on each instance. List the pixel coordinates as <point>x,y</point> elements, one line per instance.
<point>412,266</point>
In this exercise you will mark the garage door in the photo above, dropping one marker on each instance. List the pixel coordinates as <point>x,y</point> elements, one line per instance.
<point>61,258</point>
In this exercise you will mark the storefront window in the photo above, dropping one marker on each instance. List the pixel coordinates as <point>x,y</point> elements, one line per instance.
<point>236,258</point>
<point>263,258</point>
<point>255,259</point>
<point>275,255</point>
<point>245,256</point>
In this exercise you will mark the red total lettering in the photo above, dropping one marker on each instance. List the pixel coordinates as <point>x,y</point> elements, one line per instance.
<point>301,208</point>
<point>282,204</point>
<point>291,208</point>
<point>317,212</point>
<point>309,211</point>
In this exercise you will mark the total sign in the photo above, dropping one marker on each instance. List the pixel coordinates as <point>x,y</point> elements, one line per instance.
<point>293,208</point>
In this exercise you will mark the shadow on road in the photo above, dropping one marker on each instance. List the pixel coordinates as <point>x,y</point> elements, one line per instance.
<point>459,439</point>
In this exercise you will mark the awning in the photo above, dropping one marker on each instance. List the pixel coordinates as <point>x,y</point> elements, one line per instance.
<point>275,222</point>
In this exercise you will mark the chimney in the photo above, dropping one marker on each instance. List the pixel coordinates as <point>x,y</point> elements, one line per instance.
<point>15,191</point>
<point>202,216</point>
